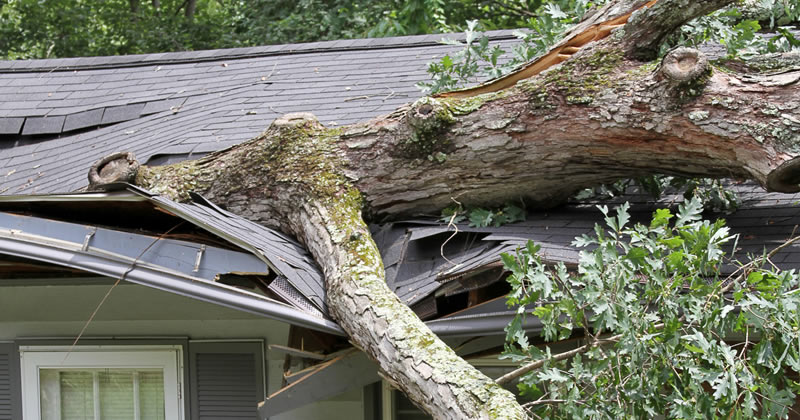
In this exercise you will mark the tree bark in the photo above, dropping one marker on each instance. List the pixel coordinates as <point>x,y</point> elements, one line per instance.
<point>191,7</point>
<point>600,115</point>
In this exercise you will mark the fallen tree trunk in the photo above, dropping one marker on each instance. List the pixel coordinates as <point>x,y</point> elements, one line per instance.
<point>606,112</point>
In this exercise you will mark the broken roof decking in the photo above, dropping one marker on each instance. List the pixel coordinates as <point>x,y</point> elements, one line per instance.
<point>59,116</point>
<point>299,282</point>
<point>282,253</point>
<point>67,245</point>
<point>416,269</point>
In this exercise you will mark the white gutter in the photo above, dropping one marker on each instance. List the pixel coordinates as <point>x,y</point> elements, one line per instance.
<point>69,254</point>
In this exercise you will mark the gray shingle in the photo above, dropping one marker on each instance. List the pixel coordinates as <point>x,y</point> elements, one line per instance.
<point>82,86</point>
<point>93,93</point>
<point>10,125</point>
<point>120,113</point>
<point>83,119</point>
<point>42,125</point>
<point>153,107</point>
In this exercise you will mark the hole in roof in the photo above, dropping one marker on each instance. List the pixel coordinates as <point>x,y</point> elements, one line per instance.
<point>168,159</point>
<point>139,217</point>
<point>10,141</point>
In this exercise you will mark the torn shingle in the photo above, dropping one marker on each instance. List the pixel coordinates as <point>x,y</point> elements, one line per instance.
<point>42,125</point>
<point>121,113</point>
<point>11,125</point>
<point>83,119</point>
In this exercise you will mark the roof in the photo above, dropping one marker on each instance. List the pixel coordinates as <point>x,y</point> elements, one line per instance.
<point>195,267</point>
<point>59,116</point>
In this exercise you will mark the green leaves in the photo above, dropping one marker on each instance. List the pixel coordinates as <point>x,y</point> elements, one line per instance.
<point>69,28</point>
<point>478,61</point>
<point>654,318</point>
<point>482,217</point>
<point>475,61</point>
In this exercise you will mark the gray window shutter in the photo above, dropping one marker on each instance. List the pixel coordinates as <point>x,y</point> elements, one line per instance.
<point>10,398</point>
<point>227,380</point>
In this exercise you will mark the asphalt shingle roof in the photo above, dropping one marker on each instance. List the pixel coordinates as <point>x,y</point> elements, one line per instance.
<point>59,116</point>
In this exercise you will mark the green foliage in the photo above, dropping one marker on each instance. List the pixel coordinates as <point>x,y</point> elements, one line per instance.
<point>738,27</point>
<point>283,21</point>
<point>412,17</point>
<point>733,30</point>
<point>731,27</point>
<point>482,217</point>
<point>68,28</point>
<point>662,331</point>
<point>478,60</point>
<point>713,193</point>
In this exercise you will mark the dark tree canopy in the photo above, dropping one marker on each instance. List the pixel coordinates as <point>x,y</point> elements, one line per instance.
<point>70,28</point>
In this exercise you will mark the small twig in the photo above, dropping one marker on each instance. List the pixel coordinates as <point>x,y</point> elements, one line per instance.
<point>108,293</point>
<point>544,402</point>
<point>517,10</point>
<point>455,232</point>
<point>528,410</point>
<point>789,407</point>
<point>568,290</point>
<point>508,377</point>
<point>182,5</point>
<point>742,272</point>
<point>355,98</point>
<point>265,78</point>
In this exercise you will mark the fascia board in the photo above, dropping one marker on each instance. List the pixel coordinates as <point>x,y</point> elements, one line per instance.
<point>69,254</point>
<point>73,197</point>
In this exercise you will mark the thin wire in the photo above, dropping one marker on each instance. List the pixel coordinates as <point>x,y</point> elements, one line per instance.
<point>108,293</point>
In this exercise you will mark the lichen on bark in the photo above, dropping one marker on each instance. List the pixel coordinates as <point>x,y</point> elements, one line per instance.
<point>299,160</point>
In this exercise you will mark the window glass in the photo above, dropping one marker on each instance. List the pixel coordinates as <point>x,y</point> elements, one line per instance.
<point>101,383</point>
<point>107,394</point>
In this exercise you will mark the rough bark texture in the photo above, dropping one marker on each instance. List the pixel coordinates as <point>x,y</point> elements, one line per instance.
<point>291,178</point>
<point>599,116</point>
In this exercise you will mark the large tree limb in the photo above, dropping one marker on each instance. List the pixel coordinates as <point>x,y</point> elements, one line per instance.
<point>595,118</point>
<point>294,182</point>
<point>598,116</point>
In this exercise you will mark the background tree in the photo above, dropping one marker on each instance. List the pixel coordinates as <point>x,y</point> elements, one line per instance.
<point>68,28</point>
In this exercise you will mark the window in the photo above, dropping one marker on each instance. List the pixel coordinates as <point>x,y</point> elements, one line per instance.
<point>101,382</point>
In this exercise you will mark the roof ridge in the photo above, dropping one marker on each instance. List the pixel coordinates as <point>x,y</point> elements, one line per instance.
<point>137,60</point>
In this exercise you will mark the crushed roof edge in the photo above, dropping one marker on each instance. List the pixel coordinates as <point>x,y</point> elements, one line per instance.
<point>121,61</point>
<point>67,254</point>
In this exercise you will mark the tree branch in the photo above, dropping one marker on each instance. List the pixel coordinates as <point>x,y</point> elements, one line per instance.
<point>517,10</point>
<point>647,28</point>
<point>510,376</point>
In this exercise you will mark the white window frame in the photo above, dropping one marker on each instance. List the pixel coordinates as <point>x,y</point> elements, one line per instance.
<point>168,358</point>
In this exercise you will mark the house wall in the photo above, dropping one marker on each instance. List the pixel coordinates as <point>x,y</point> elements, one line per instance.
<point>59,312</point>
